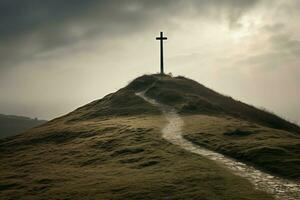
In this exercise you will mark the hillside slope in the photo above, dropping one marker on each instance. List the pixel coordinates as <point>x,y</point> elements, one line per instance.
<point>230,127</point>
<point>12,125</point>
<point>115,158</point>
<point>190,97</point>
<point>186,95</point>
<point>112,149</point>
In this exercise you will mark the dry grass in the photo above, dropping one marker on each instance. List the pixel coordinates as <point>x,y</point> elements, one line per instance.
<point>273,150</point>
<point>112,148</point>
<point>190,97</point>
<point>116,158</point>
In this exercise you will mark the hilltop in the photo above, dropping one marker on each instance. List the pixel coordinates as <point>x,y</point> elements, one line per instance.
<point>112,148</point>
<point>191,97</point>
<point>186,95</point>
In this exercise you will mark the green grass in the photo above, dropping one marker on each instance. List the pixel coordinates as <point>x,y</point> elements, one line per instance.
<point>273,150</point>
<point>116,158</point>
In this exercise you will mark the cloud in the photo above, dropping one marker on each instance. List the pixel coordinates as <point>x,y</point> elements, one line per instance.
<point>31,27</point>
<point>271,28</point>
<point>56,55</point>
<point>281,49</point>
<point>286,44</point>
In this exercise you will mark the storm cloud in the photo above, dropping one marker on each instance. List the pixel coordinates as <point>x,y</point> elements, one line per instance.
<point>56,55</point>
<point>31,27</point>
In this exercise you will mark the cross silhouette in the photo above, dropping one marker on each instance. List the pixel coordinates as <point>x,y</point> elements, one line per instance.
<point>161,38</point>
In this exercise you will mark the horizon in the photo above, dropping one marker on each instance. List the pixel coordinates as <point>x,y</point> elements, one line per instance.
<point>57,56</point>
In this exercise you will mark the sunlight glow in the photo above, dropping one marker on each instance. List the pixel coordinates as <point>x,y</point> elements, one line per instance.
<point>247,26</point>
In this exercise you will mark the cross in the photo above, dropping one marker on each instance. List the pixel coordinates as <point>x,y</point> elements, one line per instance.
<point>161,38</point>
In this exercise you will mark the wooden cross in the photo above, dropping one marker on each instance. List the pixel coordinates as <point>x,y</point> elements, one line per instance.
<point>161,38</point>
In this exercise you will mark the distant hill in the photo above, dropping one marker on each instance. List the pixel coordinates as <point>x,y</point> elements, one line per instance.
<point>12,125</point>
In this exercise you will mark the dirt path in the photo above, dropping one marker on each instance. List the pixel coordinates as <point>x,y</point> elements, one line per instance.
<point>279,188</point>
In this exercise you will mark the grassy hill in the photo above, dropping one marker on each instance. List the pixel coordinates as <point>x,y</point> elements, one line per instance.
<point>186,95</point>
<point>272,150</point>
<point>112,148</point>
<point>12,125</point>
<point>190,97</point>
<point>228,126</point>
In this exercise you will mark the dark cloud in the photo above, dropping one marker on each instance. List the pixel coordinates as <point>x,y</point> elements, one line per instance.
<point>285,43</point>
<point>77,42</point>
<point>274,28</point>
<point>33,26</point>
<point>283,50</point>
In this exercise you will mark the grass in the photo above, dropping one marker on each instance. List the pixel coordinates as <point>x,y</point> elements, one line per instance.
<point>190,97</point>
<point>112,148</point>
<point>116,158</point>
<point>272,150</point>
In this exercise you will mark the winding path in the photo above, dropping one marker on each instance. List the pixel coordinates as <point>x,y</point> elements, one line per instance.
<point>280,188</point>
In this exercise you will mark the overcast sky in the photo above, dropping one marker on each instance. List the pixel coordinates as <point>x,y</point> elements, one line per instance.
<point>57,55</point>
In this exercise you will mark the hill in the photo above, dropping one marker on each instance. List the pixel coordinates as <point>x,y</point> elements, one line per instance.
<point>190,97</point>
<point>112,148</point>
<point>186,95</point>
<point>12,125</point>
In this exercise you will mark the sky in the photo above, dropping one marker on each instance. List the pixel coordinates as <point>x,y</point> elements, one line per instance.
<point>57,55</point>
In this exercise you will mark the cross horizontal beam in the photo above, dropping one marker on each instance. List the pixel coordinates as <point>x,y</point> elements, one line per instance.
<point>161,38</point>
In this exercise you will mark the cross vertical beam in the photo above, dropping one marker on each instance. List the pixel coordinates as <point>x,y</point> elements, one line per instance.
<point>161,38</point>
